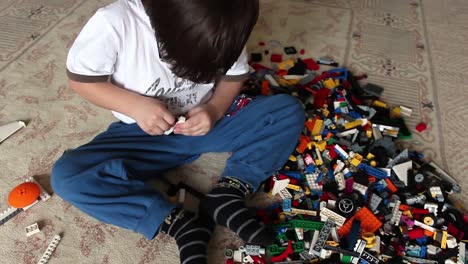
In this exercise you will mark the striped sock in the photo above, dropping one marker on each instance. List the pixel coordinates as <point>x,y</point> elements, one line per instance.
<point>225,204</point>
<point>191,233</point>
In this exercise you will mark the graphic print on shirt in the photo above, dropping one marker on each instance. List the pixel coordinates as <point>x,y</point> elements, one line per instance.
<point>182,94</point>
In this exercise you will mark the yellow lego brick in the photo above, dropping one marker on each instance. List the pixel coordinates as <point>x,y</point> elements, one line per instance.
<point>294,187</point>
<point>284,82</point>
<point>284,65</point>
<point>379,103</point>
<point>311,145</point>
<point>325,112</point>
<point>292,158</point>
<point>369,133</point>
<point>370,156</point>
<point>356,160</point>
<point>396,112</point>
<point>373,163</point>
<point>307,190</point>
<point>407,213</point>
<point>330,83</point>
<point>321,145</point>
<point>317,138</point>
<point>332,243</point>
<point>351,125</point>
<point>317,127</point>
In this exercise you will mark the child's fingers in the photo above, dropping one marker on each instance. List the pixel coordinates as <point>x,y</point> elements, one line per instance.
<point>168,117</point>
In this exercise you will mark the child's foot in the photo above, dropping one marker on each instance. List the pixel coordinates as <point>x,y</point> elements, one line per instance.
<point>225,204</point>
<point>191,233</point>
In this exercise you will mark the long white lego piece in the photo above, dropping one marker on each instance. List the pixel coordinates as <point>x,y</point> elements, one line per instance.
<point>10,128</point>
<point>50,249</point>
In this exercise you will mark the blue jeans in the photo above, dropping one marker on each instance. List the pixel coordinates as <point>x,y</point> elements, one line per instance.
<point>106,178</point>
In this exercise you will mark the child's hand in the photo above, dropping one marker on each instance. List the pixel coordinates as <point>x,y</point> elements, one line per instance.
<point>199,122</point>
<point>152,116</point>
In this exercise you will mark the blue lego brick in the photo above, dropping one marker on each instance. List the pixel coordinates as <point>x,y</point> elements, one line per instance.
<point>343,73</point>
<point>293,174</point>
<point>380,174</point>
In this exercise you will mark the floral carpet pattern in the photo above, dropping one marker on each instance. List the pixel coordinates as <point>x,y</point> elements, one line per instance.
<point>417,50</point>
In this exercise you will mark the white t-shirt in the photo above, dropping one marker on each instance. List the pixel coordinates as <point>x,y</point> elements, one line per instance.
<point>119,42</point>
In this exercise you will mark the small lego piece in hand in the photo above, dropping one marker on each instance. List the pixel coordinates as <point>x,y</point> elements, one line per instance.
<point>181,120</point>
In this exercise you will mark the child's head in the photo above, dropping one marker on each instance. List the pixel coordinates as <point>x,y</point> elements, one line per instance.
<point>202,38</point>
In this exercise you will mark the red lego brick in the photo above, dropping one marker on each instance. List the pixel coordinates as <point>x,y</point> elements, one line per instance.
<point>311,64</point>
<point>416,233</point>
<point>289,250</point>
<point>276,58</point>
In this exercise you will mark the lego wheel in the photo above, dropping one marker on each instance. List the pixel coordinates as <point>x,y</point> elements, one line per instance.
<point>24,195</point>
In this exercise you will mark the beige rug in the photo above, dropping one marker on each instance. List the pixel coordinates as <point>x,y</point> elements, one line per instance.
<point>418,50</point>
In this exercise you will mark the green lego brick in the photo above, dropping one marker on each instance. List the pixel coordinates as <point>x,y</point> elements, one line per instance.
<point>304,224</point>
<point>275,250</point>
<point>307,225</point>
<point>346,259</point>
<point>298,246</point>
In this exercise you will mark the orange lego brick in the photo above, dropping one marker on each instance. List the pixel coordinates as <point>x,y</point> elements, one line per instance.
<point>303,144</point>
<point>311,123</point>
<point>369,222</point>
<point>404,207</point>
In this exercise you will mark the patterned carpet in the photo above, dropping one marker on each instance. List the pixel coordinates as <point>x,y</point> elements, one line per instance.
<point>417,50</point>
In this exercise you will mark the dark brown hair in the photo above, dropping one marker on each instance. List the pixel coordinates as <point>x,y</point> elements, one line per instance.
<point>202,38</point>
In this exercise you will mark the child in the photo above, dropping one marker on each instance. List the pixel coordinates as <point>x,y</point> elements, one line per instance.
<point>150,62</point>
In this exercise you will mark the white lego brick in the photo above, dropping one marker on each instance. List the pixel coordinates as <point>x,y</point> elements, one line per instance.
<point>432,207</point>
<point>181,197</point>
<point>340,180</point>
<point>284,194</point>
<point>279,186</point>
<point>299,233</point>
<point>50,249</point>
<point>304,212</point>
<point>347,132</point>
<point>9,129</point>
<point>339,166</point>
<point>32,229</point>
<point>311,178</point>
<point>313,242</point>
<point>360,188</point>
<point>327,213</point>
<point>238,256</point>
<point>424,226</point>
<point>405,111</point>
<point>451,241</point>
<point>461,253</point>
<point>341,151</point>
<point>401,170</point>
<point>248,259</point>
<point>179,121</point>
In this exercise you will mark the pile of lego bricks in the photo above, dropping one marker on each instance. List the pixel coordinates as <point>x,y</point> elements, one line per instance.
<point>348,195</point>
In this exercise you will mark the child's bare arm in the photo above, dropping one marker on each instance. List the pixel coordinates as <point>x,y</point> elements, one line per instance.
<point>150,114</point>
<point>224,95</point>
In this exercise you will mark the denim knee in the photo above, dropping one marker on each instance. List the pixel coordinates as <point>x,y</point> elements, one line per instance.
<point>292,109</point>
<point>60,178</point>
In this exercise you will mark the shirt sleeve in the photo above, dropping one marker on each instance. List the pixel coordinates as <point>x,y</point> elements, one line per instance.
<point>240,70</point>
<point>94,53</point>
